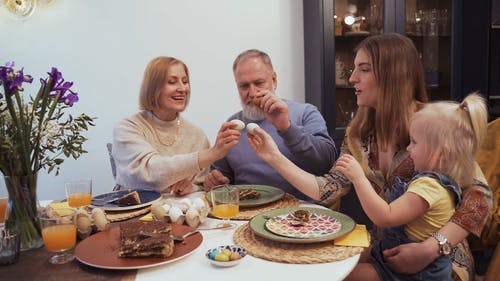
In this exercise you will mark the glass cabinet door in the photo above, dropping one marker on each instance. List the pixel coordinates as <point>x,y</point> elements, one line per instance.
<point>428,24</point>
<point>354,20</point>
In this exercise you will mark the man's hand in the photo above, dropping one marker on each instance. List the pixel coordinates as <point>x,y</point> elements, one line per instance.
<point>276,111</point>
<point>182,187</point>
<point>214,178</point>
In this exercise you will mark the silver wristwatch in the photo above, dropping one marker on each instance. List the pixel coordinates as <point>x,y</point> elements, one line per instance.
<point>444,245</point>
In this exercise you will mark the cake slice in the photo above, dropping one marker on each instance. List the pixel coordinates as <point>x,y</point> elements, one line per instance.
<point>129,199</point>
<point>145,239</point>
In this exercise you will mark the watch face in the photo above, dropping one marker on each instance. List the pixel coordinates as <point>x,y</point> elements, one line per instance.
<point>446,249</point>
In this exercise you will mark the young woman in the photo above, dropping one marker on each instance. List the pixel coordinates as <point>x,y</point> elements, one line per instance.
<point>389,86</point>
<point>158,149</point>
<point>444,139</point>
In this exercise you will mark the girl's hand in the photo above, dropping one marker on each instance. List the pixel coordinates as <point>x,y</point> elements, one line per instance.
<point>349,167</point>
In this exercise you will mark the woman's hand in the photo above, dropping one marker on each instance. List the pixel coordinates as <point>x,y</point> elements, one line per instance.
<point>182,187</point>
<point>263,144</point>
<point>412,257</point>
<point>227,138</point>
<point>349,167</point>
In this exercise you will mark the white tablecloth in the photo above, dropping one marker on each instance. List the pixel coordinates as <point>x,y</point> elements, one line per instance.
<point>196,267</point>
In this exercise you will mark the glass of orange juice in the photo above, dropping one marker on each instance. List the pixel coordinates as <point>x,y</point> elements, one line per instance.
<point>59,234</point>
<point>78,192</point>
<point>225,203</point>
<point>3,209</point>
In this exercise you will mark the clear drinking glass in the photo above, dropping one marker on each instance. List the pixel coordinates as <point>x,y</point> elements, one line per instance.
<point>3,210</point>
<point>78,192</point>
<point>225,204</point>
<point>59,234</point>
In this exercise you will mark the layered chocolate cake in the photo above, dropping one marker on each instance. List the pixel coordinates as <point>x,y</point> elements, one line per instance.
<point>129,199</point>
<point>145,239</point>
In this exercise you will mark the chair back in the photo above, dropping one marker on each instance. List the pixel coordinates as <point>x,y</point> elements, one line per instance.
<point>488,158</point>
<point>109,146</point>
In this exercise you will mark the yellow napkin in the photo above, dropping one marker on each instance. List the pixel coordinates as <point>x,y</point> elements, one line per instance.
<point>61,208</point>
<point>147,217</point>
<point>358,237</point>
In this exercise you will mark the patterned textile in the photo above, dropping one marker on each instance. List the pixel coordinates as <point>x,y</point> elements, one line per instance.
<point>470,215</point>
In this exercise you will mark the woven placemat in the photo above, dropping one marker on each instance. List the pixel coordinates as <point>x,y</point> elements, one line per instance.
<point>113,216</point>
<point>290,252</point>
<point>288,201</point>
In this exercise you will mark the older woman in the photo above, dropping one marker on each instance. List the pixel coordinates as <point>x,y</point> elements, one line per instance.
<point>157,148</point>
<point>389,86</point>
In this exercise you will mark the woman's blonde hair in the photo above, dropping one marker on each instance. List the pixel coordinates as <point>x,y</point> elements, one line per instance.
<point>400,78</point>
<point>155,78</point>
<point>454,131</point>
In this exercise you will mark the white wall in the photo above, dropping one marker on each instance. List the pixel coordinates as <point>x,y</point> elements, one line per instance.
<point>103,47</point>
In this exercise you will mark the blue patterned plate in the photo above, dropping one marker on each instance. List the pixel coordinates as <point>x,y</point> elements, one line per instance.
<point>102,201</point>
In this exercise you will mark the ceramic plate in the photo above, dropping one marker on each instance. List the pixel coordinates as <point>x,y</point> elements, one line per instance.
<point>268,194</point>
<point>258,225</point>
<point>101,250</point>
<point>319,225</point>
<point>147,198</point>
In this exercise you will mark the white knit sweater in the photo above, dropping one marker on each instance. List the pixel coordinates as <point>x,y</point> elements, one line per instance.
<point>145,161</point>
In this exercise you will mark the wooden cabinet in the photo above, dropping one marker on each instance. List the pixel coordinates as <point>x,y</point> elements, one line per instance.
<point>450,35</point>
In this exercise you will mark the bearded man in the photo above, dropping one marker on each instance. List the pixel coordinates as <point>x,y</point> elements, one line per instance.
<point>298,129</point>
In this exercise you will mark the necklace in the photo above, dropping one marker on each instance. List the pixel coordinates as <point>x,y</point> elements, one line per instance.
<point>169,141</point>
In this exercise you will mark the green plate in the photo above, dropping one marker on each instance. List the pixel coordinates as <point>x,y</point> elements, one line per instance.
<point>268,194</point>
<point>258,225</point>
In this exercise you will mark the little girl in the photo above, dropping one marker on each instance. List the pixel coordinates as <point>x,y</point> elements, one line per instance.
<point>444,138</point>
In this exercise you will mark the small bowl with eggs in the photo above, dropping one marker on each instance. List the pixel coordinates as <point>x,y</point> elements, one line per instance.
<point>226,256</point>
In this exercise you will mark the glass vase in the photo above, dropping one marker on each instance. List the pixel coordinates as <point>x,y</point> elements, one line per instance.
<point>23,210</point>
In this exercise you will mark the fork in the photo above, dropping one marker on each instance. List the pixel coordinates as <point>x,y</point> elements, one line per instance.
<point>175,237</point>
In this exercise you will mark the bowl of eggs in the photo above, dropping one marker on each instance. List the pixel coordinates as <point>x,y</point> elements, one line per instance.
<point>226,256</point>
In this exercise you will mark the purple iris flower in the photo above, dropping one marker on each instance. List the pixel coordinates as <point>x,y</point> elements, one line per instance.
<point>13,80</point>
<point>70,98</point>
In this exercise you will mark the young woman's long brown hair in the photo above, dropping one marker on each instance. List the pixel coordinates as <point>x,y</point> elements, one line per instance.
<point>400,77</point>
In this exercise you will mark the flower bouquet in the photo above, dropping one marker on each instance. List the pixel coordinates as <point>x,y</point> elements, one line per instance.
<point>35,132</point>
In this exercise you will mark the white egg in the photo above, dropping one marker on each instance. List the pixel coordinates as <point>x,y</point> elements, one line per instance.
<point>158,212</point>
<point>176,215</point>
<point>100,220</point>
<point>238,124</point>
<point>203,213</point>
<point>192,217</point>
<point>182,205</point>
<point>251,127</point>
<point>198,203</point>
<point>166,207</point>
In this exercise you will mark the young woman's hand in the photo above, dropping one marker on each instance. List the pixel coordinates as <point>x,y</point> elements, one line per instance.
<point>263,144</point>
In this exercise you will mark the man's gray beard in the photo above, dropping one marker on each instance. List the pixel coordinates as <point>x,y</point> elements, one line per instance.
<point>253,113</point>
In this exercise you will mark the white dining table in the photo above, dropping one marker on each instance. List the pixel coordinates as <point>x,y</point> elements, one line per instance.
<point>195,266</point>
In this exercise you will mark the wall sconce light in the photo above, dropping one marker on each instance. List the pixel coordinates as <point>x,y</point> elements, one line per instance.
<point>22,9</point>
<point>350,19</point>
